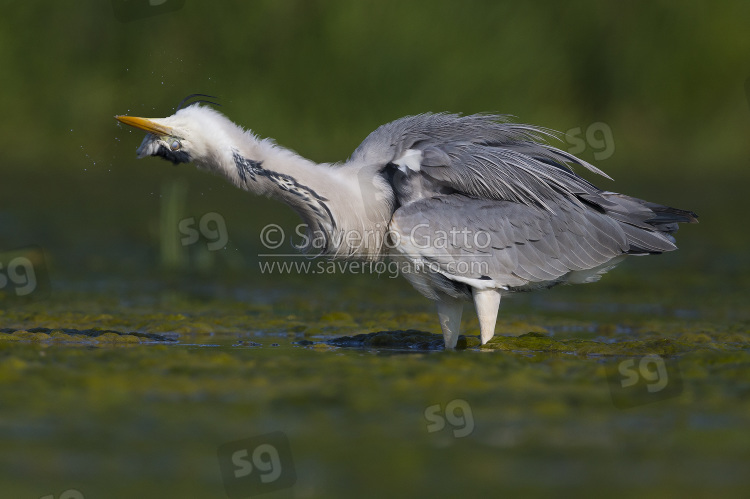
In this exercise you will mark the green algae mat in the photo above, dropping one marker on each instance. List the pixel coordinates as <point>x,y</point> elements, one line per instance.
<point>347,392</point>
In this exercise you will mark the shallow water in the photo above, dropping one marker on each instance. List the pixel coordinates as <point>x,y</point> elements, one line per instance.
<point>119,415</point>
<point>125,379</point>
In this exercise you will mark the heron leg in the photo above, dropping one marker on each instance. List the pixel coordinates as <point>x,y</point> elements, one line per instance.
<point>449,313</point>
<point>487,303</point>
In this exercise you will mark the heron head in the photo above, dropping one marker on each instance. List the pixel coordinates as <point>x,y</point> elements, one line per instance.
<point>191,134</point>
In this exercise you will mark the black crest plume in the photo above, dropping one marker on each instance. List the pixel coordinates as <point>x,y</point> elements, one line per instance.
<point>191,96</point>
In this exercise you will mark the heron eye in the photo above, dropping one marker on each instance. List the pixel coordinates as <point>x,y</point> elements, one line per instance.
<point>175,145</point>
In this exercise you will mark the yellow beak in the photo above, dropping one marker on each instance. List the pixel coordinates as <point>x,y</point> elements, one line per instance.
<point>145,124</point>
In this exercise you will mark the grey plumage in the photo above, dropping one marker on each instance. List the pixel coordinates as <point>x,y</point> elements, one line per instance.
<point>543,224</point>
<point>473,206</point>
<point>483,156</point>
<point>526,244</point>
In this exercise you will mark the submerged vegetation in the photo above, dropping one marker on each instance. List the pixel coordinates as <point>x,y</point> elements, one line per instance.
<point>135,399</point>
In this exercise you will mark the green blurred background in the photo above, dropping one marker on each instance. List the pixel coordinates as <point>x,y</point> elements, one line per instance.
<point>669,82</point>
<point>664,85</point>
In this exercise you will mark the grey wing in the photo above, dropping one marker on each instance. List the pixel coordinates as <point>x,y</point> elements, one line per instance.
<point>486,157</point>
<point>508,245</point>
<point>482,156</point>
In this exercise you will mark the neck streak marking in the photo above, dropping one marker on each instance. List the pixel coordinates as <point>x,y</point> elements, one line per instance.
<point>249,169</point>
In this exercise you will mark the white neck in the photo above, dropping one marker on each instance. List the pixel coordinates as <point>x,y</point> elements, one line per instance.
<point>346,207</point>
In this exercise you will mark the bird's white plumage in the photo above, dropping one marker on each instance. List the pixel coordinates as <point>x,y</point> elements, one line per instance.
<point>411,159</point>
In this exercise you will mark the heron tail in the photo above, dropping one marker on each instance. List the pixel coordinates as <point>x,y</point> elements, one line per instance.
<point>666,218</point>
<point>648,226</point>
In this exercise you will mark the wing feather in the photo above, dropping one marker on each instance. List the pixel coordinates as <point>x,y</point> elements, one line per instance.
<point>485,157</point>
<point>482,155</point>
<point>525,244</point>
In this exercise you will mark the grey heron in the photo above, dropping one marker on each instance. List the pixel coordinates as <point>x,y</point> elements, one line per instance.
<point>474,206</point>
